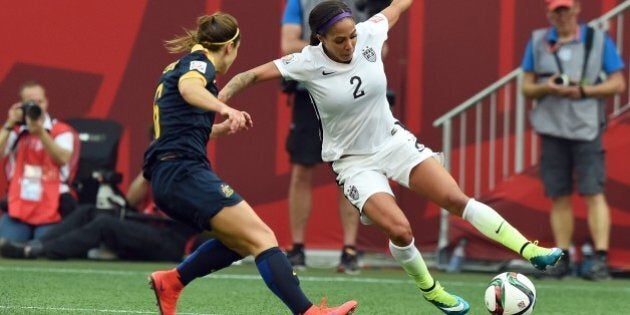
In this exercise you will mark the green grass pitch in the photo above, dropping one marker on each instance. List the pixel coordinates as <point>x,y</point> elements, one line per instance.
<point>91,287</point>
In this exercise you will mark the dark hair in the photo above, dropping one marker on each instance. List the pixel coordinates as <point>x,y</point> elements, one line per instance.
<point>213,31</point>
<point>322,14</point>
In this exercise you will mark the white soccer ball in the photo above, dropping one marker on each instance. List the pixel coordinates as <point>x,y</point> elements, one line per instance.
<point>510,293</point>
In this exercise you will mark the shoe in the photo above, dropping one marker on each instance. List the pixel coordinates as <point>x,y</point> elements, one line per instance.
<point>542,257</point>
<point>167,288</point>
<point>446,302</point>
<point>322,309</point>
<point>561,270</point>
<point>597,269</point>
<point>12,250</point>
<point>102,253</point>
<point>30,250</point>
<point>297,258</point>
<point>349,261</point>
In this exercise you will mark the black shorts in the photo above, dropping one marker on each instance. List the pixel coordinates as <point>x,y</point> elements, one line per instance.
<point>304,144</point>
<point>565,162</point>
<point>190,192</point>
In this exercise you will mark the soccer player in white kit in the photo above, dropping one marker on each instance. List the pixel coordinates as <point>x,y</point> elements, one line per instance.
<point>367,146</point>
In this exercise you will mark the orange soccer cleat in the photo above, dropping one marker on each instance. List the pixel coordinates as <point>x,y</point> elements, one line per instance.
<point>167,288</point>
<point>322,309</point>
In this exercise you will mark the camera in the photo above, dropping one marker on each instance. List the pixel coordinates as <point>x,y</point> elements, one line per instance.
<point>562,79</point>
<point>107,176</point>
<point>30,109</point>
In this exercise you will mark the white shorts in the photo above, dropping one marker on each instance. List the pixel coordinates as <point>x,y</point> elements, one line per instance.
<point>365,175</point>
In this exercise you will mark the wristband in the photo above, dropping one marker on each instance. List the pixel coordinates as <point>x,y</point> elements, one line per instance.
<point>582,93</point>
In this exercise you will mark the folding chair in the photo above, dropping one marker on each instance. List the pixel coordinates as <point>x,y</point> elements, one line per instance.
<point>96,179</point>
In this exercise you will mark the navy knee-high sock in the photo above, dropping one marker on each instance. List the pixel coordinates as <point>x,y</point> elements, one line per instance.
<point>206,259</point>
<point>275,269</point>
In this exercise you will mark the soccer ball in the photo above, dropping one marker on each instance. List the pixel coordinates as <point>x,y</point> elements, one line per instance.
<point>510,293</point>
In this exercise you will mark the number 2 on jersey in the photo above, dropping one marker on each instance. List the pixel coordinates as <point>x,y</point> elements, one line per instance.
<point>358,92</point>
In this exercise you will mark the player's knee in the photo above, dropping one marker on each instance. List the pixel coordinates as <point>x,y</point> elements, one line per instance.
<point>264,238</point>
<point>454,202</point>
<point>400,233</point>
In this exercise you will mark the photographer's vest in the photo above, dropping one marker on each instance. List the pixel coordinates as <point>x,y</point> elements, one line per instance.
<point>576,119</point>
<point>34,188</point>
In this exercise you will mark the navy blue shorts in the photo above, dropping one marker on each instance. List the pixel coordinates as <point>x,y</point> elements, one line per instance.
<point>190,192</point>
<point>304,144</point>
<point>567,162</point>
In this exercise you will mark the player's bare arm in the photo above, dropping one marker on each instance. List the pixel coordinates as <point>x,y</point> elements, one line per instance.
<point>395,9</point>
<point>194,93</point>
<point>248,78</point>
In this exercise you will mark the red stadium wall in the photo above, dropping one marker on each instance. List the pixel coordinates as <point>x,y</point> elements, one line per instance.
<point>102,59</point>
<point>520,200</point>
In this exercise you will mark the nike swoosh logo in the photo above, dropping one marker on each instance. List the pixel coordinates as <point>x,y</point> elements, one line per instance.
<point>499,229</point>
<point>327,73</point>
<point>458,307</point>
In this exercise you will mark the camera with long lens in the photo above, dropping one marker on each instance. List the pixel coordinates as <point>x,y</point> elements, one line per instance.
<point>31,110</point>
<point>107,194</point>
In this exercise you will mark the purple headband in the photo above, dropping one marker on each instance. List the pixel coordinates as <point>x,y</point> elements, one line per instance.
<point>322,30</point>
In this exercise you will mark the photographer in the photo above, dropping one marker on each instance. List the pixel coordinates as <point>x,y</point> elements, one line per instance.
<point>40,154</point>
<point>562,72</point>
<point>143,234</point>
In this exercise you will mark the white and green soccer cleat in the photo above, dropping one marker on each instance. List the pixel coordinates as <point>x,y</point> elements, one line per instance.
<point>448,303</point>
<point>541,257</point>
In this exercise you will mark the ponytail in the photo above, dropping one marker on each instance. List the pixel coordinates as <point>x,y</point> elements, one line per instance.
<point>213,32</point>
<point>181,43</point>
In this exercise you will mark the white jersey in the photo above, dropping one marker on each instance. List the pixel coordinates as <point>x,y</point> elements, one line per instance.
<point>350,99</point>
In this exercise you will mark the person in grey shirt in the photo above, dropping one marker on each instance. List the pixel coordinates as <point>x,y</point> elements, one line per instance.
<point>563,67</point>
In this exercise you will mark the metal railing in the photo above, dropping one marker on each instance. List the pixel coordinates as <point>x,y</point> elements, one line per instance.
<point>508,142</point>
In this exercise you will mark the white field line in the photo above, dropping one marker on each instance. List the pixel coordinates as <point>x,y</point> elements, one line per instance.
<point>553,285</point>
<point>30,309</point>
<point>11,308</point>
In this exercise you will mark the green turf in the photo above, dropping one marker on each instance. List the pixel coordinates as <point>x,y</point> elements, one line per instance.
<point>88,287</point>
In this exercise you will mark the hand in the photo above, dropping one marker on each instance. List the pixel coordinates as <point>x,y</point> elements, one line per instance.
<point>237,120</point>
<point>223,128</point>
<point>15,114</point>
<point>568,91</point>
<point>35,126</point>
<point>248,120</point>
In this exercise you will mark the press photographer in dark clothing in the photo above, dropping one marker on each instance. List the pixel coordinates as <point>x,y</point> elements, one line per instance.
<point>144,235</point>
